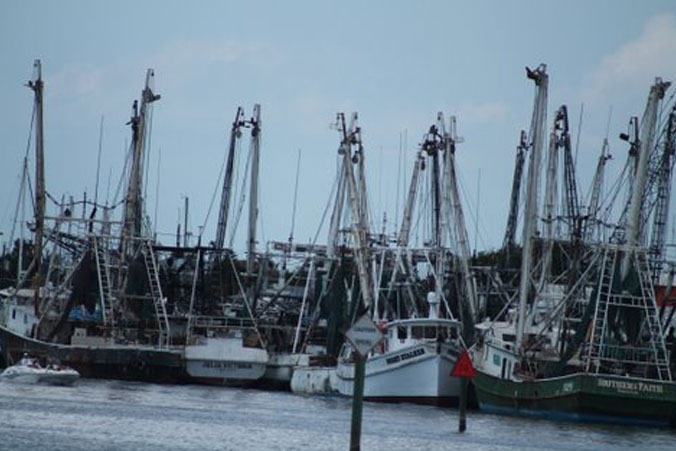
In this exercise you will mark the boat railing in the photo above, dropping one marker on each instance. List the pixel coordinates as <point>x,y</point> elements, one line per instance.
<point>629,354</point>
<point>221,322</point>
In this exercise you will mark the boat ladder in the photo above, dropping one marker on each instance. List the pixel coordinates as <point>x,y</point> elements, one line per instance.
<point>103,277</point>
<point>652,321</point>
<point>159,301</point>
<point>596,341</point>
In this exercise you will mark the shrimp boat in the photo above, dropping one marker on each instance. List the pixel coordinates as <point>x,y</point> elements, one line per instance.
<point>413,364</point>
<point>225,351</point>
<point>93,299</point>
<point>29,370</point>
<point>421,344</point>
<point>586,341</point>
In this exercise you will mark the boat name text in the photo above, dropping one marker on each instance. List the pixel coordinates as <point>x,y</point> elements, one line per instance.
<point>628,386</point>
<point>405,356</point>
<point>226,365</point>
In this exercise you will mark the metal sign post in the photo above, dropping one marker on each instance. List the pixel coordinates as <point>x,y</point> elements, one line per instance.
<point>364,335</point>
<point>357,401</point>
<point>464,370</point>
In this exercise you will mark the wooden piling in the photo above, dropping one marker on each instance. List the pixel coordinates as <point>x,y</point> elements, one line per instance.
<point>462,421</point>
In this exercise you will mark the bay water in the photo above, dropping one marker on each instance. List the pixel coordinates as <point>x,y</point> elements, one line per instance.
<point>112,415</point>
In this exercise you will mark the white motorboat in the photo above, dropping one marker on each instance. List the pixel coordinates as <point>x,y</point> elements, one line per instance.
<point>28,370</point>
<point>412,364</point>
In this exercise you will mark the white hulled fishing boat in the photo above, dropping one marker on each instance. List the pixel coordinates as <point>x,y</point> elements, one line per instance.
<point>225,352</point>
<point>413,364</point>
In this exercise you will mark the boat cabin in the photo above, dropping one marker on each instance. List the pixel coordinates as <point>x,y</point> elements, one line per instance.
<point>407,332</point>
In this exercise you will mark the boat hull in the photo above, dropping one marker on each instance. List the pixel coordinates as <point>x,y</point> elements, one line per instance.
<point>20,378</point>
<point>40,375</point>
<point>280,369</point>
<point>418,374</point>
<point>125,362</point>
<point>581,397</point>
<point>224,372</point>
<point>225,361</point>
<point>312,380</point>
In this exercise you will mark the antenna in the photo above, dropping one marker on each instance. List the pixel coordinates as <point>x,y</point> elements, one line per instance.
<point>98,162</point>
<point>396,205</point>
<point>478,203</point>
<point>610,114</point>
<point>157,188</point>
<point>295,199</point>
<point>579,129</point>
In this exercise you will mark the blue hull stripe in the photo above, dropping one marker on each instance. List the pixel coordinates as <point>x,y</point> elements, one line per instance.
<point>558,415</point>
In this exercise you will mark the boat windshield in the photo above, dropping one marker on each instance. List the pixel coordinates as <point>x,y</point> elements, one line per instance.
<point>440,332</point>
<point>28,361</point>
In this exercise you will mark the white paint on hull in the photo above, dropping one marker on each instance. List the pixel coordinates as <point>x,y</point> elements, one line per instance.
<point>222,360</point>
<point>28,371</point>
<point>223,371</point>
<point>419,371</point>
<point>280,366</point>
<point>312,380</point>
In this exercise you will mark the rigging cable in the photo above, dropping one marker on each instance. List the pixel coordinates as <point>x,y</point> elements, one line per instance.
<point>295,198</point>
<point>326,208</point>
<point>98,161</point>
<point>157,187</point>
<point>213,195</point>
<point>24,173</point>
<point>241,200</point>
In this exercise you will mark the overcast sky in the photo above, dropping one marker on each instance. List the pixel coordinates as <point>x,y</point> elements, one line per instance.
<point>395,62</point>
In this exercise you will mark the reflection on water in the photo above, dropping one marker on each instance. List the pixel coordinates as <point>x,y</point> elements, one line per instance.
<point>109,415</point>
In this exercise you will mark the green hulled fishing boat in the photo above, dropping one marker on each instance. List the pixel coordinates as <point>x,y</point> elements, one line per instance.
<point>586,340</point>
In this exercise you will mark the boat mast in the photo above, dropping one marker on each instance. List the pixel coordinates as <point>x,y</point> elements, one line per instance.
<point>433,145</point>
<point>591,227</point>
<point>550,206</point>
<point>361,173</point>
<point>646,143</point>
<point>235,134</point>
<point>510,231</point>
<point>357,203</point>
<point>133,203</point>
<point>336,215</point>
<point>20,209</point>
<point>537,138</point>
<point>37,87</point>
<point>569,178</point>
<point>405,231</point>
<point>253,189</point>
<point>658,236</point>
<point>460,231</point>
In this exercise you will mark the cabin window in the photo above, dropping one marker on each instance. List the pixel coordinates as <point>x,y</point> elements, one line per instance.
<point>453,332</point>
<point>401,333</point>
<point>504,367</point>
<point>25,318</point>
<point>13,313</point>
<point>417,332</point>
<point>508,337</point>
<point>430,332</point>
<point>496,360</point>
